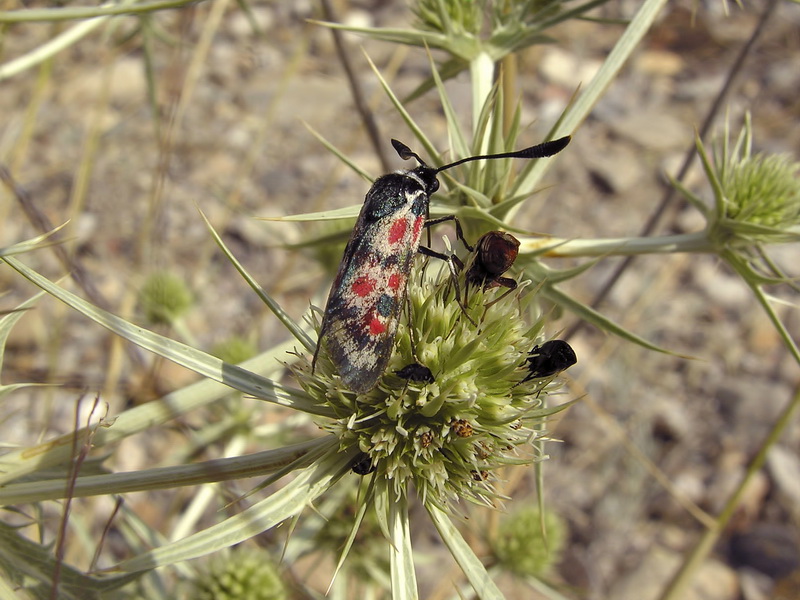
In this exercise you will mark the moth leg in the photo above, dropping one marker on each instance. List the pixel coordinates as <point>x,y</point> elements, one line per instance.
<point>506,282</point>
<point>453,266</point>
<point>314,360</point>
<point>459,231</point>
<point>317,349</point>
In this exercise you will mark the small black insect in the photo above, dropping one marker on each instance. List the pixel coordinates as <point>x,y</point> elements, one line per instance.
<point>362,465</point>
<point>549,359</point>
<point>495,252</point>
<point>416,372</point>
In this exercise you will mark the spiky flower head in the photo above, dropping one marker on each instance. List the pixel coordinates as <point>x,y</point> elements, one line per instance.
<point>447,436</point>
<point>756,196</point>
<point>509,22</point>
<point>763,189</point>
<point>241,574</point>
<point>164,297</point>
<point>449,16</point>
<point>527,544</point>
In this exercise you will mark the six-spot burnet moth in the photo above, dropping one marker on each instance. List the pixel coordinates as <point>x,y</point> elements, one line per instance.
<point>367,296</point>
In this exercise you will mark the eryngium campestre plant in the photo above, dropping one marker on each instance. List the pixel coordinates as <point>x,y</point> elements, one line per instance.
<point>448,437</point>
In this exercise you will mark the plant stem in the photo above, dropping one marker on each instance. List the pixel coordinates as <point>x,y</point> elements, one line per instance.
<point>482,74</point>
<point>668,244</point>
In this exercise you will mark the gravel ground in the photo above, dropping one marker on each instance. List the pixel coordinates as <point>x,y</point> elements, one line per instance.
<point>651,428</point>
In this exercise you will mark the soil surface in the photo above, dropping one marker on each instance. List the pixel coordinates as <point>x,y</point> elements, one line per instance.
<point>656,442</point>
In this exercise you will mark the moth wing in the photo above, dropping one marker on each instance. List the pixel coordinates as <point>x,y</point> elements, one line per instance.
<point>360,359</point>
<point>367,296</point>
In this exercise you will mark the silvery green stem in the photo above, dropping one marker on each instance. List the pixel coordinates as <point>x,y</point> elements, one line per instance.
<point>561,247</point>
<point>482,73</point>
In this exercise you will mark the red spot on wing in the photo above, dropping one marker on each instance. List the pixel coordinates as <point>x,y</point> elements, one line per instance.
<point>395,281</point>
<point>363,286</point>
<point>376,326</point>
<point>398,230</point>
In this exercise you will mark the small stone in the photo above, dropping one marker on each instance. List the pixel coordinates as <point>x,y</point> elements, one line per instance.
<point>660,62</point>
<point>654,128</point>
<point>241,25</point>
<point>722,289</point>
<point>616,168</point>
<point>713,580</point>
<point>566,69</point>
<point>784,467</point>
<point>770,548</point>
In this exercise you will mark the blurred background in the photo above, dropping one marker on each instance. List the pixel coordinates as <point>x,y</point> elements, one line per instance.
<point>130,129</point>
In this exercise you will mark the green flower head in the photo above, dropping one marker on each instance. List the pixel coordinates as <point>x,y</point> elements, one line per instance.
<point>756,196</point>
<point>241,574</point>
<point>164,297</point>
<point>526,544</point>
<point>764,190</point>
<point>449,429</point>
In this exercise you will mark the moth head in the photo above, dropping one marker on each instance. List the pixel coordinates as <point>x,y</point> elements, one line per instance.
<point>424,172</point>
<point>428,174</point>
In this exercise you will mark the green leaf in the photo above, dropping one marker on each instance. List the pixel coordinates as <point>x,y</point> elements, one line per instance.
<point>351,538</point>
<point>339,154</point>
<point>32,244</point>
<point>383,501</point>
<point>221,469</point>
<point>409,37</point>
<point>539,271</point>
<point>300,335</point>
<point>444,72</point>
<point>265,514</point>
<point>600,321</point>
<point>751,279</point>
<point>693,199</point>
<point>56,44</point>
<point>711,175</point>
<point>477,214</point>
<point>404,580</point>
<point>87,12</point>
<point>7,323</point>
<point>404,114</point>
<point>186,356</point>
<point>59,451</point>
<point>348,212</point>
<point>470,565</point>
<point>744,230</point>
<point>18,554</point>
<point>627,44</point>
<point>457,141</point>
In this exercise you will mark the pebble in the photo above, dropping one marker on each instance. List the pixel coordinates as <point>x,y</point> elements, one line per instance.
<point>712,581</point>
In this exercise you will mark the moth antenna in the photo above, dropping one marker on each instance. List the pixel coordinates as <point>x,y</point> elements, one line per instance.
<point>537,151</point>
<point>405,152</point>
